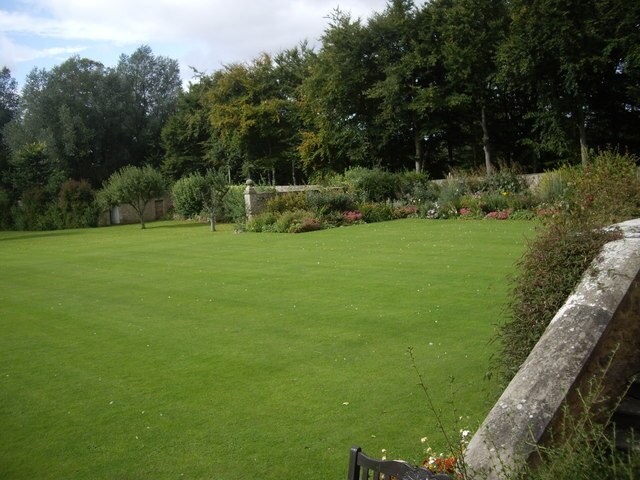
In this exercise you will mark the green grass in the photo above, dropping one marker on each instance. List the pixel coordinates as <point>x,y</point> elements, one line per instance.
<point>172,352</point>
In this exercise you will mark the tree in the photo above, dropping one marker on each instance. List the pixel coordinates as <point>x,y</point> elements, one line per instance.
<point>338,116</point>
<point>410,91</point>
<point>576,58</point>
<point>78,111</point>
<point>134,186</point>
<point>33,167</point>
<point>254,113</point>
<point>471,31</point>
<point>197,193</point>
<point>187,134</point>
<point>9,105</point>
<point>215,188</point>
<point>153,85</point>
<point>9,109</point>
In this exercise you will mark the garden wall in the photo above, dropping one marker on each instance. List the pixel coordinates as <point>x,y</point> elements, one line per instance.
<point>596,332</point>
<point>255,202</point>
<point>122,214</point>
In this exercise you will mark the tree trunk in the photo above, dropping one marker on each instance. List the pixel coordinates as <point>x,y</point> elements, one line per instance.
<point>582,128</point>
<point>485,142</point>
<point>212,218</point>
<point>293,171</point>
<point>417,140</point>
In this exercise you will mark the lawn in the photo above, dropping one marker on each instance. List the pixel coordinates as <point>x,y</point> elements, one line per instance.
<point>173,352</point>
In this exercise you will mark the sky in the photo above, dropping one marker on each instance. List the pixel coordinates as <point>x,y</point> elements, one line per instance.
<point>204,34</point>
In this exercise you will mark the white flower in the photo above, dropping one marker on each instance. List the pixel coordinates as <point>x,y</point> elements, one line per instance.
<point>423,440</point>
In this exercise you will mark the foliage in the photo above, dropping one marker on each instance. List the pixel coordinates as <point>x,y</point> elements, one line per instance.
<point>288,201</point>
<point>36,211</point>
<point>214,190</point>
<point>253,112</point>
<point>374,185</point>
<point>331,200</point>
<point>234,207</point>
<point>135,186</point>
<point>187,196</point>
<point>5,210</point>
<point>77,204</point>
<point>603,192</point>
<point>261,223</point>
<point>308,224</point>
<point>502,181</point>
<point>554,186</point>
<point>376,212</point>
<point>151,87</point>
<point>33,167</point>
<point>607,190</point>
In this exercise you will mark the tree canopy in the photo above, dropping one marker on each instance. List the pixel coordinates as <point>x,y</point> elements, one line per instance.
<point>432,86</point>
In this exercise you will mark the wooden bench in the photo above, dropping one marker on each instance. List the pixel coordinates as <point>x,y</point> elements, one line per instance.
<point>363,467</point>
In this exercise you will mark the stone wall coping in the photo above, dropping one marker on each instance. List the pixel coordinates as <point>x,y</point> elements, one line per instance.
<point>531,401</point>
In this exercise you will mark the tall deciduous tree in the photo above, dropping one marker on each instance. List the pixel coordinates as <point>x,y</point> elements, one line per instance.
<point>410,90</point>
<point>254,114</point>
<point>471,32</point>
<point>578,59</point>
<point>9,108</point>
<point>76,110</point>
<point>187,134</point>
<point>338,112</point>
<point>153,85</point>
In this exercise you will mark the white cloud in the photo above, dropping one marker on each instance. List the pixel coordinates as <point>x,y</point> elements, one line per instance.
<point>12,53</point>
<point>202,33</point>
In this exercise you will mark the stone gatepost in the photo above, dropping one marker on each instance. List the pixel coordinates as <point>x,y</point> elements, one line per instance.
<point>254,201</point>
<point>250,199</point>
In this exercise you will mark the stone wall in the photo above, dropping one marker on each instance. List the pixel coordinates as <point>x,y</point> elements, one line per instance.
<point>596,332</point>
<point>123,214</point>
<point>255,202</point>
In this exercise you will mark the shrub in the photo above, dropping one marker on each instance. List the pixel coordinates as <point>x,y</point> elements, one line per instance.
<point>422,193</point>
<point>286,219</point>
<point>603,192</point>
<point>234,207</point>
<point>187,196</point>
<point>437,210</point>
<point>287,202</point>
<point>36,211</point>
<point>376,212</point>
<point>505,180</point>
<point>451,192</point>
<point>554,186</point>
<point>262,223</point>
<point>499,215</point>
<point>308,224</point>
<point>375,185</point>
<point>493,202</point>
<point>326,201</point>
<point>404,211</point>
<point>607,190</point>
<point>77,204</point>
<point>352,217</point>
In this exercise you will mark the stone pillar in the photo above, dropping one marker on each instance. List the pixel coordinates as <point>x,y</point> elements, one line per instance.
<point>250,199</point>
